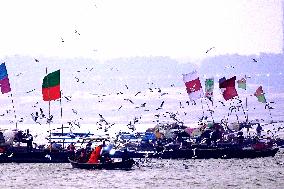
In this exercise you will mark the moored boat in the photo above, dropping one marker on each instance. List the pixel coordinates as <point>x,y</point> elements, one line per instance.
<point>39,156</point>
<point>218,152</point>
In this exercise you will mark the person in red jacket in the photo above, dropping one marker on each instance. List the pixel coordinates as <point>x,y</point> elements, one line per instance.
<point>95,155</point>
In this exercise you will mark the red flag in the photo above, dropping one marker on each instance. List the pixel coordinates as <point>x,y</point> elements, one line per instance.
<point>193,85</point>
<point>229,91</point>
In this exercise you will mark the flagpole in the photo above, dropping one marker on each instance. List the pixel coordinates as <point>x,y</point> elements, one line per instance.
<point>242,107</point>
<point>209,110</point>
<point>229,114</point>
<point>267,104</point>
<point>61,115</point>
<point>203,113</point>
<point>48,112</point>
<point>15,115</point>
<point>247,108</point>
<point>246,99</point>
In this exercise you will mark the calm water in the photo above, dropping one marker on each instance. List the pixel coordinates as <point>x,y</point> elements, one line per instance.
<point>212,173</point>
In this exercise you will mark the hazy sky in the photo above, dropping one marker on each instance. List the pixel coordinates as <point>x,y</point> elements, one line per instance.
<point>108,29</point>
<point>108,44</point>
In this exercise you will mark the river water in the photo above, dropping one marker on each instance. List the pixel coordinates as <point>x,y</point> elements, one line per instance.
<point>152,173</point>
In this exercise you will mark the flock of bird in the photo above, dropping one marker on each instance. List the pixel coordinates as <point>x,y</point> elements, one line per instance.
<point>40,117</point>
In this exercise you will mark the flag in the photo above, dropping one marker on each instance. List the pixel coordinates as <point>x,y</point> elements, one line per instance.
<point>227,87</point>
<point>221,81</point>
<point>209,87</point>
<point>4,80</point>
<point>51,86</point>
<point>193,85</point>
<point>242,83</point>
<point>260,95</point>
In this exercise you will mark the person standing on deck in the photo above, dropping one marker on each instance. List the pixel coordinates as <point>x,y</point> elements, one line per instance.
<point>258,130</point>
<point>2,139</point>
<point>29,139</point>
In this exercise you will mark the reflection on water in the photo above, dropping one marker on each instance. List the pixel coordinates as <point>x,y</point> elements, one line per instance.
<point>152,173</point>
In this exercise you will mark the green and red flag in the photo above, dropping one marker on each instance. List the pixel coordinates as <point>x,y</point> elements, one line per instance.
<point>260,95</point>
<point>242,83</point>
<point>209,87</point>
<point>51,86</point>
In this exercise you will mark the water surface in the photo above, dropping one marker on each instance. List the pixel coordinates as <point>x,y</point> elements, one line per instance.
<point>152,173</point>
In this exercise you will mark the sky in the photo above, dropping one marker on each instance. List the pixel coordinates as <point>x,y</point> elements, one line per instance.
<point>105,47</point>
<point>109,29</point>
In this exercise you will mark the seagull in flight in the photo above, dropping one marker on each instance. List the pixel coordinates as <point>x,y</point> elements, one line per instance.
<point>209,49</point>
<point>137,93</point>
<point>77,32</point>
<point>129,100</point>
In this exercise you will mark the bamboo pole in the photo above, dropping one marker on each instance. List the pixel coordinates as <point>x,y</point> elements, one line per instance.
<point>210,110</point>
<point>14,110</point>
<point>61,115</point>
<point>48,112</point>
<point>242,108</point>
<point>203,113</point>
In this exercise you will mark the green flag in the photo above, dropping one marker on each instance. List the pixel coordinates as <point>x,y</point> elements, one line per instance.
<point>209,87</point>
<point>242,83</point>
<point>260,95</point>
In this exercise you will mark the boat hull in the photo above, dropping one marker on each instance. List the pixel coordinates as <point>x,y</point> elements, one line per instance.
<point>207,153</point>
<point>125,165</point>
<point>35,157</point>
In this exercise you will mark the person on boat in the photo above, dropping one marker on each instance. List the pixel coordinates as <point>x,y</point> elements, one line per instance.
<point>88,147</point>
<point>19,136</point>
<point>2,139</point>
<point>71,147</point>
<point>258,130</point>
<point>95,155</point>
<point>71,150</point>
<point>82,156</point>
<point>125,155</point>
<point>105,153</point>
<point>29,140</point>
<point>240,138</point>
<point>53,146</point>
<point>159,147</point>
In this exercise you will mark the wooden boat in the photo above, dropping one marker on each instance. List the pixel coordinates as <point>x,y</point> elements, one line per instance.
<point>125,165</point>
